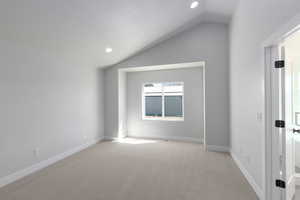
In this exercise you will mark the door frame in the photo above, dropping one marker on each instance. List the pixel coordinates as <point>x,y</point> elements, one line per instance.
<point>269,157</point>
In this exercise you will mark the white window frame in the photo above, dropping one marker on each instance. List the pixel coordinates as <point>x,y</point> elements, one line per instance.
<point>163,117</point>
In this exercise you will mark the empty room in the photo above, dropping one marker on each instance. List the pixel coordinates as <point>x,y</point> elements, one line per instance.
<point>149,100</point>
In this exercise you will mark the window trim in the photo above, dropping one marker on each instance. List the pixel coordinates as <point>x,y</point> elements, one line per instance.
<point>163,117</point>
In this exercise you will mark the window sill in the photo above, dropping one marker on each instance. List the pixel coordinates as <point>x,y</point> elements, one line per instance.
<point>175,119</point>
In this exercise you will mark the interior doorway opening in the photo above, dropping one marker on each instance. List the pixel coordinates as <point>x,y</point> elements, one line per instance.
<point>171,101</point>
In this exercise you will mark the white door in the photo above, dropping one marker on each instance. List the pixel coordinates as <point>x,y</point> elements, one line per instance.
<point>285,92</point>
<point>283,143</point>
<point>291,53</point>
<point>288,144</point>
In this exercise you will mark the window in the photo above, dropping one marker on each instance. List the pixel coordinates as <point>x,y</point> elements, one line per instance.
<point>163,101</point>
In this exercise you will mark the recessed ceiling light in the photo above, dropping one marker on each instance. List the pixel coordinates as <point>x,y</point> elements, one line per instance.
<point>195,4</point>
<point>108,50</point>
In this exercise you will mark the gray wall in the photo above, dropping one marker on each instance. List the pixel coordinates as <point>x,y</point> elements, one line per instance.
<point>192,126</point>
<point>253,23</point>
<point>48,100</point>
<point>122,104</point>
<point>206,42</point>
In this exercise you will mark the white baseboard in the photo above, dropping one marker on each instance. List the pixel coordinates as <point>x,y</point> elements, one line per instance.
<point>217,148</point>
<point>109,138</point>
<point>39,166</point>
<point>171,138</point>
<point>297,179</point>
<point>249,177</point>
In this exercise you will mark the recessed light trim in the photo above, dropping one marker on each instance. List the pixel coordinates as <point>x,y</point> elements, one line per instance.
<point>108,50</point>
<point>194,4</point>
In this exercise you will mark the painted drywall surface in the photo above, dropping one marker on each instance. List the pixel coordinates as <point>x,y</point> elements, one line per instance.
<point>191,127</point>
<point>206,42</point>
<point>122,129</point>
<point>85,29</point>
<point>48,101</point>
<point>253,22</point>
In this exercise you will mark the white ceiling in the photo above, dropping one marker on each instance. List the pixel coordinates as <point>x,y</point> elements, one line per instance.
<point>86,27</point>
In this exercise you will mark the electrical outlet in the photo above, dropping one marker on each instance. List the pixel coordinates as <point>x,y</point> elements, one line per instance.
<point>241,151</point>
<point>248,159</point>
<point>259,116</point>
<point>36,152</point>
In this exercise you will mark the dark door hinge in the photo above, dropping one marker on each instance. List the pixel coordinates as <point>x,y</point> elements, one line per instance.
<point>279,64</point>
<point>279,123</point>
<point>280,183</point>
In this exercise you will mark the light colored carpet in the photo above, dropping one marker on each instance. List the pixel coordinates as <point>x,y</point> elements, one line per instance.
<point>154,171</point>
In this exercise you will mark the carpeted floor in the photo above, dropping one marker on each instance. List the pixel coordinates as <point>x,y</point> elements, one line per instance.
<point>147,171</point>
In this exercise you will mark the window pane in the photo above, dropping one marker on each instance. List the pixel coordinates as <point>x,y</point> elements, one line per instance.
<point>173,106</point>
<point>153,106</point>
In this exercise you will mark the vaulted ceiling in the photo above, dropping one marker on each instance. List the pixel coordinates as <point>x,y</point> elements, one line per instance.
<point>86,27</point>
